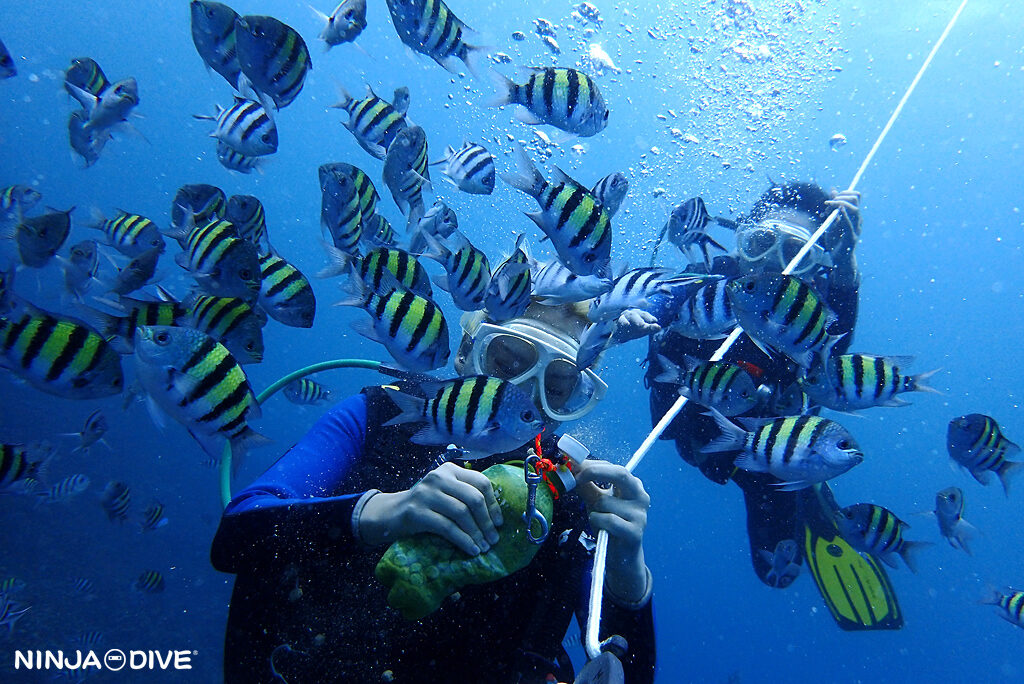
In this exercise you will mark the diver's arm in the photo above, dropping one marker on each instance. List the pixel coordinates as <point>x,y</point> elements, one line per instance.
<point>621,512</point>
<point>290,509</point>
<point>842,238</point>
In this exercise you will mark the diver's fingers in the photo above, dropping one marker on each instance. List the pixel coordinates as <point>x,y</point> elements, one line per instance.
<point>480,481</point>
<point>841,203</point>
<point>473,516</point>
<point>616,527</point>
<point>627,485</point>
<point>432,521</point>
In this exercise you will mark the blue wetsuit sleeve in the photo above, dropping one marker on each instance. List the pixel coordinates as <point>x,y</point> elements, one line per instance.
<point>299,504</point>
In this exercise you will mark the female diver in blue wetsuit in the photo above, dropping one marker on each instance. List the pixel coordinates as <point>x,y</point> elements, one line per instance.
<point>303,539</point>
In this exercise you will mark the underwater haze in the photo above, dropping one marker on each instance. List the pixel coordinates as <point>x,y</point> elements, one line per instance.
<point>710,98</point>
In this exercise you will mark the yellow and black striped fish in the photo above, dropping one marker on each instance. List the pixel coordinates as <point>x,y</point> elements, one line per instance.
<point>15,200</point>
<point>1010,602</point>
<point>197,382</point>
<point>579,228</point>
<point>19,462</point>
<point>230,321</point>
<point>374,121</point>
<point>876,530</point>
<point>57,355</point>
<point>799,450</point>
<point>976,442</point>
<point>850,382</point>
<point>201,201</point>
<point>560,97</point>
<point>273,57</point>
<point>406,172</point>
<point>285,294</point>
<point>120,329</point>
<point>85,75</point>
<point>150,582</point>
<point>222,263</point>
<point>130,234</point>
<point>341,212</point>
<point>213,32</point>
<point>306,392</point>
<point>153,517</point>
<point>782,312</point>
<point>249,218</point>
<point>508,293</point>
<point>479,414</point>
<point>411,327</point>
<point>430,28</point>
<point>116,500</point>
<point>468,270</point>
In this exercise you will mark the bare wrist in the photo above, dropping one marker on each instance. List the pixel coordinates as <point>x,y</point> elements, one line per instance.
<point>375,524</point>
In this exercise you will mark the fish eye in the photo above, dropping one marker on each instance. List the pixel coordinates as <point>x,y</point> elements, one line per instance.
<point>843,444</point>
<point>162,337</point>
<point>245,274</point>
<point>749,287</point>
<point>527,416</point>
<point>265,137</point>
<point>250,346</point>
<point>589,257</point>
<point>606,115</point>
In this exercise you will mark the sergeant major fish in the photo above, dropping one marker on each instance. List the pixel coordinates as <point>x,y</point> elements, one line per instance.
<point>480,414</point>
<point>876,530</point>
<point>977,444</point>
<point>116,500</point>
<point>80,268</point>
<point>508,294</point>
<point>468,272</point>
<point>430,28</point>
<point>39,237</point>
<point>86,75</point>
<point>799,450</point>
<point>469,168</point>
<point>230,321</point>
<point>15,200</point>
<point>197,382</point>
<point>222,263</point>
<point>782,570</point>
<point>304,391</point>
<point>245,126</point>
<point>406,172</point>
<point>204,202</point>
<point>273,57</point>
<point>687,228</point>
<point>578,226</point>
<point>344,24</point>
<point>374,121</point>
<point>707,313</point>
<point>949,510</point>
<point>1010,603</point>
<point>128,233</point>
<point>782,312</point>
<point>213,33</point>
<point>249,218</point>
<point>58,355</point>
<point>560,97</point>
<point>633,290</point>
<point>553,283</point>
<point>722,386</point>
<point>610,191</point>
<point>285,293</point>
<point>411,327</point>
<point>857,381</point>
<point>233,160</point>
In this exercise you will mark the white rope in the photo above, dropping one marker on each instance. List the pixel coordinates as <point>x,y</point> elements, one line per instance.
<point>592,641</point>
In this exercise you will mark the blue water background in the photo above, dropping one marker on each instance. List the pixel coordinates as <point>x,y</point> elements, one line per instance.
<point>941,259</point>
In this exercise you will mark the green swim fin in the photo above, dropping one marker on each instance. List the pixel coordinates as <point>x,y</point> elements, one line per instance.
<point>855,587</point>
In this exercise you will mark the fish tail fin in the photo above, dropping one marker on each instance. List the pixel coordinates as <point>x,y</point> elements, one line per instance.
<point>435,249</point>
<point>910,552</point>
<point>916,383</point>
<point>991,597</point>
<point>339,262</point>
<point>244,442</point>
<point>527,176</point>
<point>345,99</point>
<point>475,58</point>
<point>411,407</point>
<point>964,532</point>
<point>732,437</point>
<point>506,90</point>
<point>670,372</point>
<point>1007,472</point>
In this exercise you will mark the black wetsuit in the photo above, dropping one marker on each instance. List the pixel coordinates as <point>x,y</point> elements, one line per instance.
<point>771,515</point>
<point>304,581</point>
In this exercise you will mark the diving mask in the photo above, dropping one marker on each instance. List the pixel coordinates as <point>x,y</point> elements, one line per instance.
<point>521,354</point>
<point>771,244</point>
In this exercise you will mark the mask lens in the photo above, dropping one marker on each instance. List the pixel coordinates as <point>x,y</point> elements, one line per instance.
<point>757,242</point>
<point>790,247</point>
<point>507,357</point>
<point>561,379</point>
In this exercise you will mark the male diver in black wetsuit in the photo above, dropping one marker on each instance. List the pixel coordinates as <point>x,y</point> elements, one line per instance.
<point>304,538</point>
<point>780,223</point>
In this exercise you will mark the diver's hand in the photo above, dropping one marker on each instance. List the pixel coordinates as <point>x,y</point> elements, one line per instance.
<point>452,502</point>
<point>622,513</point>
<point>848,203</point>
<point>634,323</point>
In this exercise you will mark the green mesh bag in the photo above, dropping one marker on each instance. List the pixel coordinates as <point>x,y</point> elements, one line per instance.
<point>422,570</point>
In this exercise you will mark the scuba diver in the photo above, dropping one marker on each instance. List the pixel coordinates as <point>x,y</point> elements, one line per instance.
<point>305,537</point>
<point>785,528</point>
